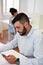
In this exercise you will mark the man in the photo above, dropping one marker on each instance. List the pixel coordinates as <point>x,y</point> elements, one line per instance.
<point>28,40</point>
<point>13,12</point>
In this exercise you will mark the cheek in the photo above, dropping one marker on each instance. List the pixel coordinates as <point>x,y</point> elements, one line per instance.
<point>21,29</point>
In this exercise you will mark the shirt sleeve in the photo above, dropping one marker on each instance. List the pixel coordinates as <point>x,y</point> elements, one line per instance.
<point>31,61</point>
<point>38,53</point>
<point>9,45</point>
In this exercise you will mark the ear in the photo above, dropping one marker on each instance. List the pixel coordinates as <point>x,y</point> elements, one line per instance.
<point>25,24</point>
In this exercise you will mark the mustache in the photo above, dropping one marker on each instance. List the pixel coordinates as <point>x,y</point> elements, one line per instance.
<point>23,32</point>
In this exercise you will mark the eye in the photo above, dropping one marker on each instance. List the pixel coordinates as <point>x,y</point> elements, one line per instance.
<point>17,27</point>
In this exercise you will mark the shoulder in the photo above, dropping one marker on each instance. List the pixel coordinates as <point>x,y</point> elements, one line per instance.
<point>37,33</point>
<point>10,19</point>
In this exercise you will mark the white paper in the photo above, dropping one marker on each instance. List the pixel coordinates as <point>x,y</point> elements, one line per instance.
<point>12,52</point>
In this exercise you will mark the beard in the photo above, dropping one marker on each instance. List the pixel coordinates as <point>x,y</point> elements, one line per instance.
<point>24,31</point>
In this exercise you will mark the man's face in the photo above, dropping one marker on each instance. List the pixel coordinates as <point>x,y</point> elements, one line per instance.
<point>20,28</point>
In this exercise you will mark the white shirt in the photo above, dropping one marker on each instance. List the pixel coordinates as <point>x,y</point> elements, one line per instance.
<point>30,45</point>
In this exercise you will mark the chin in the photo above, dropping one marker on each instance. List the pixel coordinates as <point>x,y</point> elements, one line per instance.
<point>20,34</point>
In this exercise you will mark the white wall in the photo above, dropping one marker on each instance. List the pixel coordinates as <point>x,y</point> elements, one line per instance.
<point>33,6</point>
<point>0,17</point>
<point>2,25</point>
<point>23,6</point>
<point>39,7</point>
<point>0,11</point>
<point>34,9</point>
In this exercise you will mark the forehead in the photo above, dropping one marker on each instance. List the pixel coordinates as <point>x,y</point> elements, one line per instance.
<point>17,24</point>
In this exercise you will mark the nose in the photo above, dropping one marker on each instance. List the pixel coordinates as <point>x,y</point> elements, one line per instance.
<point>16,29</point>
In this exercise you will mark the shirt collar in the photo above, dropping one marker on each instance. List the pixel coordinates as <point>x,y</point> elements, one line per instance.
<point>30,32</point>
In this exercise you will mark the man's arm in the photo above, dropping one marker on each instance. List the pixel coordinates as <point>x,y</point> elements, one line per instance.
<point>10,58</point>
<point>31,61</point>
<point>24,61</point>
<point>16,49</point>
<point>9,45</point>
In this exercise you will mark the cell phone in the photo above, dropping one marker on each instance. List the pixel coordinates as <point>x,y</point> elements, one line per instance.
<point>3,55</point>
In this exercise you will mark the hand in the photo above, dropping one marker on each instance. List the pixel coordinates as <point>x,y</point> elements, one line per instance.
<point>11,59</point>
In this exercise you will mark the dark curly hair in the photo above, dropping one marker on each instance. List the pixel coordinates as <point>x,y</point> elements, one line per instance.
<point>12,11</point>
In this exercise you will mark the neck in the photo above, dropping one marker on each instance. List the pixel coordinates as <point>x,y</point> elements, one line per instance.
<point>28,29</point>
